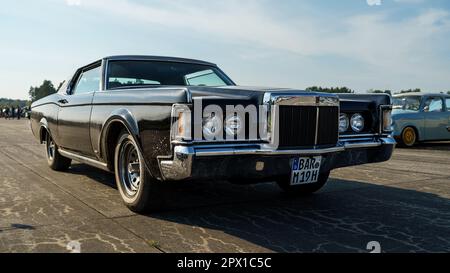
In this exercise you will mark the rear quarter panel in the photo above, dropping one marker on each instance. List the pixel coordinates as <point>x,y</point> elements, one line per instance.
<point>44,112</point>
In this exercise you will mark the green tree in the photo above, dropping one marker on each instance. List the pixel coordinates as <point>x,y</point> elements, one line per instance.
<point>44,90</point>
<point>377,91</point>
<point>417,90</point>
<point>330,90</point>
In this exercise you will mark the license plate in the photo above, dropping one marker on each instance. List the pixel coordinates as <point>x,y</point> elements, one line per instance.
<point>305,170</point>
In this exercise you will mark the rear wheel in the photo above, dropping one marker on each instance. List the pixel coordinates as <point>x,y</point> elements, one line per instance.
<point>409,137</point>
<point>303,189</point>
<point>55,160</point>
<point>138,189</point>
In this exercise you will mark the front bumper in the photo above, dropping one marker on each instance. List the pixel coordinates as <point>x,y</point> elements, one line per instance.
<point>254,163</point>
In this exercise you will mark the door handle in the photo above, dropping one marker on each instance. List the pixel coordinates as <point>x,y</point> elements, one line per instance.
<point>63,101</point>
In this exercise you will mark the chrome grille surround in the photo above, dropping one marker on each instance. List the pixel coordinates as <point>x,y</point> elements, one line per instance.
<point>273,100</point>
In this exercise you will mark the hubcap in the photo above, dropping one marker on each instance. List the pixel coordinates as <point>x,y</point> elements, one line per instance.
<point>409,136</point>
<point>51,148</point>
<point>130,169</point>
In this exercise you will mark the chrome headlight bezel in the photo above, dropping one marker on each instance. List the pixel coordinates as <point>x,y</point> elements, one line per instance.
<point>181,122</point>
<point>212,127</point>
<point>357,123</point>
<point>386,119</point>
<point>343,122</point>
<point>233,126</point>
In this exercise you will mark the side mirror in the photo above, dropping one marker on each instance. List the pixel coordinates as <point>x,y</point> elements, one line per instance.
<point>426,109</point>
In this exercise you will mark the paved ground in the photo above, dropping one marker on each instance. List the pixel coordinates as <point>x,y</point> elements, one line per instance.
<point>403,204</point>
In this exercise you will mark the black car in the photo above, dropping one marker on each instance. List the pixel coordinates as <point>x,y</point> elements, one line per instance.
<point>156,119</point>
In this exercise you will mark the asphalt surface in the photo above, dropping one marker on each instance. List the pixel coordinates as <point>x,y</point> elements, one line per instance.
<point>403,204</point>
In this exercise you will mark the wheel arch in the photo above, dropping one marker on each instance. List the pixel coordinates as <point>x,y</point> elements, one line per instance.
<point>121,119</point>
<point>416,130</point>
<point>43,130</point>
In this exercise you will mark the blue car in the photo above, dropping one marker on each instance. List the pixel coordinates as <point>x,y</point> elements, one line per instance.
<point>421,117</point>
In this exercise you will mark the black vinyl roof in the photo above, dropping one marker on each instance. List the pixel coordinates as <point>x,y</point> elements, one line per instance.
<point>156,58</point>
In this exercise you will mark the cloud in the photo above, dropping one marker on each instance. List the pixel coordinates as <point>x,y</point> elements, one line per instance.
<point>73,2</point>
<point>376,40</point>
<point>374,2</point>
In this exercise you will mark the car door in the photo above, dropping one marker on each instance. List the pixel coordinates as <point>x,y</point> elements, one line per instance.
<point>75,111</point>
<point>447,104</point>
<point>435,118</point>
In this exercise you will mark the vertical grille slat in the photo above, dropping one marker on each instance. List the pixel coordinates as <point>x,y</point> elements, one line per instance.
<point>298,126</point>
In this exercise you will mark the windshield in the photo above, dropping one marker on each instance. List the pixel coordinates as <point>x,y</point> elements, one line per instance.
<point>122,74</point>
<point>411,103</point>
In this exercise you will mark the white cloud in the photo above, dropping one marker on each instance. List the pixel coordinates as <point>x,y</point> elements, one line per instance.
<point>73,2</point>
<point>389,45</point>
<point>374,2</point>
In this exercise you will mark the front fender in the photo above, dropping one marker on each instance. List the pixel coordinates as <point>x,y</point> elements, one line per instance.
<point>127,119</point>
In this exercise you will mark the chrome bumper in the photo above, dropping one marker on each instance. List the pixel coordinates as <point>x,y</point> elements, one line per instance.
<point>180,166</point>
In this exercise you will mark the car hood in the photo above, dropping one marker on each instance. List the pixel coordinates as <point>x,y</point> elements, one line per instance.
<point>238,92</point>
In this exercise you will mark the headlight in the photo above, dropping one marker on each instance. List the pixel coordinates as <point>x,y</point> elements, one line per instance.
<point>343,123</point>
<point>212,127</point>
<point>357,123</point>
<point>233,126</point>
<point>387,120</point>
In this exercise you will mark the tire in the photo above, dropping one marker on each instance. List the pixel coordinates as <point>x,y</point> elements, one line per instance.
<point>55,160</point>
<point>408,137</point>
<point>305,189</point>
<point>138,189</point>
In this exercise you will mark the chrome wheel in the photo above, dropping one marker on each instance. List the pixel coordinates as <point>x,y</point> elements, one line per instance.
<point>51,148</point>
<point>129,168</point>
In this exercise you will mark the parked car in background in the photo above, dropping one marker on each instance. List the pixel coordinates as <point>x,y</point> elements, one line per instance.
<point>156,119</point>
<point>421,117</point>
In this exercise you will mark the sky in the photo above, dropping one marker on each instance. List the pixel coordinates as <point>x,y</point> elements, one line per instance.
<point>361,44</point>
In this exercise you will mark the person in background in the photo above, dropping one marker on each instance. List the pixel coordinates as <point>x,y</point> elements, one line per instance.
<point>19,112</point>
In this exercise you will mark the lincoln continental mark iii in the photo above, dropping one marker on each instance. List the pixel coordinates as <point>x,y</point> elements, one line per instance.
<point>152,120</point>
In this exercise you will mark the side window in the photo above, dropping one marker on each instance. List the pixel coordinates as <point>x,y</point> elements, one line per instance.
<point>447,103</point>
<point>204,78</point>
<point>433,105</point>
<point>89,81</point>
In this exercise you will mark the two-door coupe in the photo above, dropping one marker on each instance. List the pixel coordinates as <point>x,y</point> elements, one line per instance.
<point>156,119</point>
<point>419,117</point>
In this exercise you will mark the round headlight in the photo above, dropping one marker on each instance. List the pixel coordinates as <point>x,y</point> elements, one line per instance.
<point>212,127</point>
<point>233,125</point>
<point>343,123</point>
<point>357,123</point>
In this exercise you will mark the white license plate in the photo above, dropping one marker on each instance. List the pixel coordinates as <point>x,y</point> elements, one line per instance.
<point>305,170</point>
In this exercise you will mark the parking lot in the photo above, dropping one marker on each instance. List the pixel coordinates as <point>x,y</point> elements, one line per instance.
<point>403,204</point>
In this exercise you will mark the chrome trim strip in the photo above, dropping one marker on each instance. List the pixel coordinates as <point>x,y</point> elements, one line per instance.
<point>356,136</point>
<point>302,99</point>
<point>233,151</point>
<point>317,125</point>
<point>83,159</point>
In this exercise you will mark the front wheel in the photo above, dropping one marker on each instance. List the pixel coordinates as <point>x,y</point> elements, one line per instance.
<point>304,189</point>
<point>138,189</point>
<point>55,160</point>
